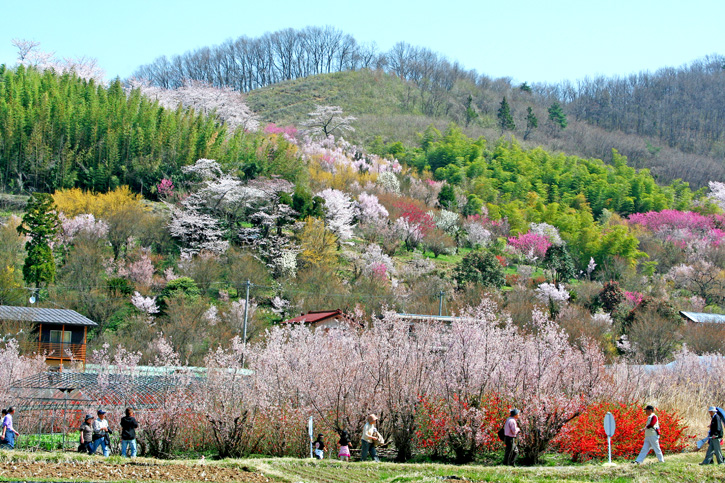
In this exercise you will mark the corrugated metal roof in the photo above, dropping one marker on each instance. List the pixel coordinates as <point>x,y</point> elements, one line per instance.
<point>703,318</point>
<point>44,316</point>
<point>426,317</point>
<point>313,317</point>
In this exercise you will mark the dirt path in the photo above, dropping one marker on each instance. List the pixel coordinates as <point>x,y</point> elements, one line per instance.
<point>133,471</point>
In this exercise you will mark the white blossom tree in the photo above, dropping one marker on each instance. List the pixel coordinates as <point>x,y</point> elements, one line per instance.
<point>225,103</point>
<point>339,212</point>
<point>30,55</point>
<point>326,121</point>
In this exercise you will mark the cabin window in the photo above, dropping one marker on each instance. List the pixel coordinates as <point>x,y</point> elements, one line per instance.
<point>58,336</point>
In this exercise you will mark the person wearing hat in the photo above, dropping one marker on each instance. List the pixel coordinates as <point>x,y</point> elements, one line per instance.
<point>86,435</point>
<point>100,433</point>
<point>511,431</point>
<point>651,437</point>
<point>716,433</point>
<point>369,438</point>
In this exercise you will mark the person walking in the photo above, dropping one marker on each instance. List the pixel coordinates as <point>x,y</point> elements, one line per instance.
<point>651,437</point>
<point>8,430</point>
<point>128,434</point>
<point>716,434</point>
<point>370,438</point>
<point>344,444</point>
<point>100,433</point>
<point>86,440</point>
<point>511,431</point>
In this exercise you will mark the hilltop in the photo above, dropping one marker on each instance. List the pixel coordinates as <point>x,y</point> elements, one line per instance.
<point>669,121</point>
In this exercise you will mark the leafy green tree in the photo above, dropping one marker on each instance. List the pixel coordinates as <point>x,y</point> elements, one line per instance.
<point>482,268</point>
<point>473,206</point>
<point>557,116</point>
<point>40,224</point>
<point>447,197</point>
<point>184,287</point>
<point>304,203</point>
<point>559,261</point>
<point>505,118</point>
<point>532,122</point>
<point>525,87</point>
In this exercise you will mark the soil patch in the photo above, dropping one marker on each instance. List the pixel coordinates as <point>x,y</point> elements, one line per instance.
<point>133,471</point>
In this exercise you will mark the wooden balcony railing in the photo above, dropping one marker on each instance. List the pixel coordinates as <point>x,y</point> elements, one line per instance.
<point>62,350</point>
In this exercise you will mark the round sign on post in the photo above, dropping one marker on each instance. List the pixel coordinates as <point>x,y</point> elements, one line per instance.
<point>311,433</point>
<point>609,428</point>
<point>609,425</point>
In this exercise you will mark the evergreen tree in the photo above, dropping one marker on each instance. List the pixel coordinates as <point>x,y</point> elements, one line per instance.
<point>505,119</point>
<point>559,261</point>
<point>532,122</point>
<point>525,87</point>
<point>471,114</point>
<point>447,197</point>
<point>480,268</point>
<point>557,116</point>
<point>40,223</point>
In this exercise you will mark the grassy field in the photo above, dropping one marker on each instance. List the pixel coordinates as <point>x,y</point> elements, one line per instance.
<point>679,468</point>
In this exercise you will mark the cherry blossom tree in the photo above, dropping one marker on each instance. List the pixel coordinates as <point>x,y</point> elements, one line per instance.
<point>16,366</point>
<point>325,121</point>
<point>339,213</point>
<point>717,193</point>
<point>86,224</point>
<point>370,210</point>
<point>30,55</point>
<point>223,102</point>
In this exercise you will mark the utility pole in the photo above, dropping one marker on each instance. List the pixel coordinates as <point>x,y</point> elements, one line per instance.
<point>440,302</point>
<point>246,311</point>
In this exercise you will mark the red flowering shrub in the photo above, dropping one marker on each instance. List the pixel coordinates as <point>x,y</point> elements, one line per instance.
<point>502,260</point>
<point>583,438</point>
<point>512,279</point>
<point>459,429</point>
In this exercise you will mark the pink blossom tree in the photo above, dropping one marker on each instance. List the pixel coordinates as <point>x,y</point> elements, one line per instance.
<point>530,246</point>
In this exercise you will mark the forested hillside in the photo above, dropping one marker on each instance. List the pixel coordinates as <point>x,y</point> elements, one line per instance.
<point>62,131</point>
<point>191,231</point>
<point>660,121</point>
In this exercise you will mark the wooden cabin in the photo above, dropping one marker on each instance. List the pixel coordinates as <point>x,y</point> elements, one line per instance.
<point>61,333</point>
<point>326,319</point>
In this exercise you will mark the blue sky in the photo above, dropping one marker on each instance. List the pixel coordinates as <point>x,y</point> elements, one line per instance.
<point>533,41</point>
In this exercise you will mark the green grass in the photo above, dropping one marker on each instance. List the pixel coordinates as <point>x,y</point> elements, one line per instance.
<point>678,468</point>
<point>380,102</point>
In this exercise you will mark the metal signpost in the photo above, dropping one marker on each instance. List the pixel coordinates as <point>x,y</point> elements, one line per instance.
<point>311,432</point>
<point>609,428</point>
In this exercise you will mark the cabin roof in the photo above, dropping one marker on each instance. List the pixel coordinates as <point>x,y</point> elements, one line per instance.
<point>39,315</point>
<point>703,318</point>
<point>314,317</point>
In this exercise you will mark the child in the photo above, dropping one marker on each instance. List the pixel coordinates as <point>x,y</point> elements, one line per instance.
<point>319,447</point>
<point>344,444</point>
